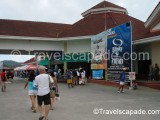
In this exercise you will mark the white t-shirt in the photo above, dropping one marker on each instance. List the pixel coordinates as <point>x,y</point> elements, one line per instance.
<point>42,81</point>
<point>83,74</point>
<point>78,74</point>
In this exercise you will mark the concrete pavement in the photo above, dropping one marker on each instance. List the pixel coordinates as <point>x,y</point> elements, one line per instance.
<point>78,103</point>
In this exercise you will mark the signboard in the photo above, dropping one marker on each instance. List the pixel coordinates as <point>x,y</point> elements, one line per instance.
<point>119,47</point>
<point>97,74</point>
<point>98,49</point>
<point>60,57</point>
<point>132,75</point>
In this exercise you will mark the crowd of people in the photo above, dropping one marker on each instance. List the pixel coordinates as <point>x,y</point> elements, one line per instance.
<point>76,77</point>
<point>40,87</point>
<point>43,86</point>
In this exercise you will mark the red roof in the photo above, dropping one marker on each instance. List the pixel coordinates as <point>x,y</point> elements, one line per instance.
<point>30,28</point>
<point>95,23</point>
<point>106,4</point>
<point>89,25</point>
<point>30,60</point>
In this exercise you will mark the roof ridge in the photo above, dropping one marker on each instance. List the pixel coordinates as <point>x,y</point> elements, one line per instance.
<point>106,3</point>
<point>32,21</point>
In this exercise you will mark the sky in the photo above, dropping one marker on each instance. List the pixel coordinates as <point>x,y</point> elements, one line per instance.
<point>65,11</point>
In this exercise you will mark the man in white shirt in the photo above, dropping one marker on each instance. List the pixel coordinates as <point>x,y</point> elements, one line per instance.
<point>42,81</point>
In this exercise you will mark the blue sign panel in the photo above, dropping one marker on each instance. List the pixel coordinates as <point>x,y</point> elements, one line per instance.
<point>97,74</point>
<point>119,47</point>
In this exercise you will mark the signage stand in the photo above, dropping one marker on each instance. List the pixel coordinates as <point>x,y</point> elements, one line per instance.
<point>132,77</point>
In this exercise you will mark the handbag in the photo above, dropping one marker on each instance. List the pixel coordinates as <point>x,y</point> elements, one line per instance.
<point>57,97</point>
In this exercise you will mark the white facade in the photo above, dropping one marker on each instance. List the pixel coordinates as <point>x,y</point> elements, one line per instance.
<point>31,45</point>
<point>76,46</point>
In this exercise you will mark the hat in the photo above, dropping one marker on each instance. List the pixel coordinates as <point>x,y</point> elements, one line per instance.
<point>42,68</point>
<point>50,71</point>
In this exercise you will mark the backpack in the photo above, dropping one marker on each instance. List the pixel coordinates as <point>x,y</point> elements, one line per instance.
<point>74,73</point>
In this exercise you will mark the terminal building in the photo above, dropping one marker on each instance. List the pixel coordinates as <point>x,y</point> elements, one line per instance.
<point>32,36</point>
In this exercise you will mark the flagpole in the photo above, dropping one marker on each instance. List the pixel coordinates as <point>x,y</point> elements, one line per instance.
<point>105,65</point>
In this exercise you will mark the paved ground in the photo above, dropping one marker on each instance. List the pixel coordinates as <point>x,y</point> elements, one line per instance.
<point>78,103</point>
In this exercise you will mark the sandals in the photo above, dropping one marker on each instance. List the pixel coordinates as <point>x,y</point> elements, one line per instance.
<point>41,118</point>
<point>51,108</point>
<point>32,108</point>
<point>34,111</point>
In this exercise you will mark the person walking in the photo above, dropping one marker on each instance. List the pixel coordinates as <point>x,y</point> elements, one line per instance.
<point>54,87</point>
<point>69,78</point>
<point>75,81</point>
<point>151,72</point>
<point>122,81</point>
<point>42,81</point>
<point>32,90</point>
<point>78,76</point>
<point>156,72</point>
<point>3,80</point>
<point>82,77</point>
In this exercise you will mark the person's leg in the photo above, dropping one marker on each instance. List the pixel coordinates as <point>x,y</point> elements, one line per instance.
<point>4,86</point>
<point>33,102</point>
<point>75,79</point>
<point>72,84</point>
<point>52,103</point>
<point>40,99</point>
<point>46,111</point>
<point>30,96</point>
<point>78,80</point>
<point>122,88</point>
<point>119,88</point>
<point>47,102</point>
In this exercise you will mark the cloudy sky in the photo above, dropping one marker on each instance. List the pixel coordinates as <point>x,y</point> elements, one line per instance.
<point>65,11</point>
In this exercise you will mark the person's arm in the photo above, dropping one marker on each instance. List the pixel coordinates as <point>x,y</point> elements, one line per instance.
<point>120,77</point>
<point>26,84</point>
<point>35,82</point>
<point>51,80</point>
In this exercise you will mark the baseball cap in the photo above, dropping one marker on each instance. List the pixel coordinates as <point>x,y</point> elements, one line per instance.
<point>42,68</point>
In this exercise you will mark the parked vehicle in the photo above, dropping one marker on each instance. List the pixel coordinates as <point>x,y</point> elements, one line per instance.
<point>10,75</point>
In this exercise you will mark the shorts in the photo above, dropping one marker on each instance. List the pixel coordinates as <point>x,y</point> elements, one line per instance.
<point>121,83</point>
<point>4,80</point>
<point>69,81</point>
<point>46,99</point>
<point>32,92</point>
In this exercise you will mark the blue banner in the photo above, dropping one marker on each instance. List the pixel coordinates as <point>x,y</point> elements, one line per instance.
<point>119,47</point>
<point>97,74</point>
